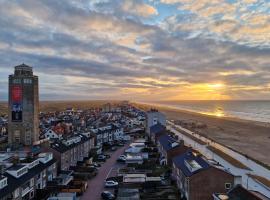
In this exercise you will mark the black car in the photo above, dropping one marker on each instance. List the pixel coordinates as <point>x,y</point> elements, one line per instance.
<point>101,158</point>
<point>121,144</point>
<point>121,160</point>
<point>107,195</point>
<point>107,156</point>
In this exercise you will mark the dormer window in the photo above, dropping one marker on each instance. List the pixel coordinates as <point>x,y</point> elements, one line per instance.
<point>18,170</point>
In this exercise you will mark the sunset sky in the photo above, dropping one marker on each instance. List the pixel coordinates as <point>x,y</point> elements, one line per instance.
<point>139,50</point>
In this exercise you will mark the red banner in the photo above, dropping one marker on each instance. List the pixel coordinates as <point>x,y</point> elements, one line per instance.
<point>16,94</point>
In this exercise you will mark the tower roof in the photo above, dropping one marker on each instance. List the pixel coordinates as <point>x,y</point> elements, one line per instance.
<point>23,69</point>
<point>23,66</point>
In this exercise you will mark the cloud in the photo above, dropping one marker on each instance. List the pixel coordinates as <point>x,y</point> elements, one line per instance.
<point>140,9</point>
<point>138,50</point>
<point>242,22</point>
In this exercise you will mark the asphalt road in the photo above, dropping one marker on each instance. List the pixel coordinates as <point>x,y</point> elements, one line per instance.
<point>107,169</point>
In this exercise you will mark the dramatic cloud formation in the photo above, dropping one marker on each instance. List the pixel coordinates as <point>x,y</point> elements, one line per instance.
<point>139,49</point>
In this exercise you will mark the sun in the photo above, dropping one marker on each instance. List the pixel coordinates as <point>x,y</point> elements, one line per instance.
<point>216,85</point>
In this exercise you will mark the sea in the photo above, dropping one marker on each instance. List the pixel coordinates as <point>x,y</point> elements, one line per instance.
<point>258,110</point>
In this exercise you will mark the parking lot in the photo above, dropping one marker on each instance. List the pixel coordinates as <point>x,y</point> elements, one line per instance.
<point>107,169</point>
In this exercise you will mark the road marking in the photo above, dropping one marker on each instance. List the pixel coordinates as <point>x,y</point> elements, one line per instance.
<point>109,172</point>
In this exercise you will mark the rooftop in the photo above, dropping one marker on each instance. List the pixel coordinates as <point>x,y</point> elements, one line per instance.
<point>240,193</point>
<point>14,183</point>
<point>16,167</point>
<point>23,69</point>
<point>157,128</point>
<point>168,142</point>
<point>190,163</point>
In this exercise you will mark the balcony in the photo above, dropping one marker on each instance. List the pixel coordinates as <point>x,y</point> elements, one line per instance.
<point>26,191</point>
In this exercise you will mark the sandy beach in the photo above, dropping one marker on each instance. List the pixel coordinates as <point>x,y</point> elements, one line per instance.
<point>247,137</point>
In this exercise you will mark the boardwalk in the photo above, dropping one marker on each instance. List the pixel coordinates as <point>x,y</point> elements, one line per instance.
<point>96,185</point>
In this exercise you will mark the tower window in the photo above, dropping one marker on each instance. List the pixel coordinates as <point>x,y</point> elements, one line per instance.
<point>27,81</point>
<point>17,81</point>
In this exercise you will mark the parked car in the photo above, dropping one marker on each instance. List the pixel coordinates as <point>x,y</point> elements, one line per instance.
<point>121,160</point>
<point>123,156</point>
<point>113,149</point>
<point>107,156</point>
<point>120,144</point>
<point>101,158</point>
<point>111,184</point>
<point>107,195</point>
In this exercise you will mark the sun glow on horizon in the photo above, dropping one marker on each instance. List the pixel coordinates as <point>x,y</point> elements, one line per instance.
<point>217,113</point>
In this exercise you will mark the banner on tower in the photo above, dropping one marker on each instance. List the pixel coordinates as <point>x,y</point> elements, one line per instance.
<point>16,110</point>
<point>16,94</point>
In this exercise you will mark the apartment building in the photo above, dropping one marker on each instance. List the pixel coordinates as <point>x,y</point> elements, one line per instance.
<point>108,134</point>
<point>169,147</point>
<point>156,131</point>
<point>22,180</point>
<point>240,193</point>
<point>154,117</point>
<point>69,151</point>
<point>199,180</point>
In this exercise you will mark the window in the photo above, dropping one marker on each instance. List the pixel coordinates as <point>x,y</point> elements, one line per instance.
<point>3,183</point>
<point>31,194</point>
<point>16,193</point>
<point>27,81</point>
<point>22,171</point>
<point>17,134</point>
<point>16,81</point>
<point>228,186</point>
<point>32,182</point>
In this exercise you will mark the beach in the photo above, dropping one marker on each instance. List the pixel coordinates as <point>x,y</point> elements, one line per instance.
<point>250,138</point>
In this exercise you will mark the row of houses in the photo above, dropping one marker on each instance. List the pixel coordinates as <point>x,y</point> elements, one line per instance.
<point>67,138</point>
<point>197,178</point>
<point>72,150</point>
<point>108,134</point>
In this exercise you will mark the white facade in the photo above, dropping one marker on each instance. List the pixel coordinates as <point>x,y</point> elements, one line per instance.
<point>152,118</point>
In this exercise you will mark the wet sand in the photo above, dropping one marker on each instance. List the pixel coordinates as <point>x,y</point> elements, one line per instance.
<point>247,137</point>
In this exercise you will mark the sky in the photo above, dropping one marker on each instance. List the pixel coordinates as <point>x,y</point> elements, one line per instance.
<point>139,50</point>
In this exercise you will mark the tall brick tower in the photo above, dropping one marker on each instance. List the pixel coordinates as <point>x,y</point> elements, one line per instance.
<point>23,120</point>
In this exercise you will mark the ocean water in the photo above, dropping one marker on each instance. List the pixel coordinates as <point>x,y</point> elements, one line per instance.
<point>250,110</point>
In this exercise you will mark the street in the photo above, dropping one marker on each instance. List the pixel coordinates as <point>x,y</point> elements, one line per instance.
<point>96,185</point>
